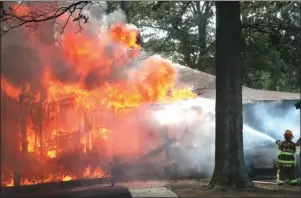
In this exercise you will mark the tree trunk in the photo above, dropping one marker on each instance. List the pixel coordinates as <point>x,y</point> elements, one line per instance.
<point>203,17</point>
<point>229,170</point>
<point>1,15</point>
<point>1,12</point>
<point>244,16</point>
<point>300,48</point>
<point>124,7</point>
<point>300,59</point>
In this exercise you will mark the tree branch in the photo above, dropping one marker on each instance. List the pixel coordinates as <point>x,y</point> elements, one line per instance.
<point>175,26</point>
<point>155,27</point>
<point>43,17</point>
<point>260,27</point>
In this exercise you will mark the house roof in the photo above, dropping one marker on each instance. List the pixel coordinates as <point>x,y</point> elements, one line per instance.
<point>204,84</point>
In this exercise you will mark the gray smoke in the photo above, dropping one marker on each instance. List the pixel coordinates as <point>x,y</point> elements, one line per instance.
<point>197,140</point>
<point>275,117</point>
<point>117,16</point>
<point>24,61</point>
<point>25,55</point>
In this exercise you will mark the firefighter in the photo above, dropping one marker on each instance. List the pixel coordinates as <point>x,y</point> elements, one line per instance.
<point>286,159</point>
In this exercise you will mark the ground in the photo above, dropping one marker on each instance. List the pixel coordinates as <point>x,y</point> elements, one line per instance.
<point>262,189</point>
<point>153,188</point>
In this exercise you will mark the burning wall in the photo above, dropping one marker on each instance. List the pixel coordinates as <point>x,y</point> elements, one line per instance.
<point>73,102</point>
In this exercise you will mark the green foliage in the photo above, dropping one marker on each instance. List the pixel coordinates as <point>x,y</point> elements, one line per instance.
<point>271,53</point>
<point>185,32</point>
<point>178,30</point>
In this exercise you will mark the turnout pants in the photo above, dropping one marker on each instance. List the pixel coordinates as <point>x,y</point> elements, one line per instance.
<point>286,171</point>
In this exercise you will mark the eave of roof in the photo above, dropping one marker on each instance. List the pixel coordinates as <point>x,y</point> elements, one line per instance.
<point>205,83</point>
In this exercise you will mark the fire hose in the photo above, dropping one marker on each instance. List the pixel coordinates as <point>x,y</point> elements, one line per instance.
<point>277,142</point>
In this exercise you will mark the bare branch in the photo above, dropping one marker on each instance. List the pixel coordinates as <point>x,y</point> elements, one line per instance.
<point>36,16</point>
<point>65,24</point>
<point>37,27</point>
<point>57,14</point>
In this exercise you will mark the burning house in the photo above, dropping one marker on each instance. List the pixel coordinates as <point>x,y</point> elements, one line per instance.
<point>70,104</point>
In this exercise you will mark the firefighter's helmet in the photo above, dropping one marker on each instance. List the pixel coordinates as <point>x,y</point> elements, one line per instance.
<point>288,134</point>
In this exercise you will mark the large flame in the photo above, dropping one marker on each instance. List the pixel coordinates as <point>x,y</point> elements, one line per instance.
<point>11,90</point>
<point>78,117</point>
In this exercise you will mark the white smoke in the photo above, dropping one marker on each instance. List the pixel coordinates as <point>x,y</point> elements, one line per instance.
<point>198,138</point>
<point>117,16</point>
<point>274,120</point>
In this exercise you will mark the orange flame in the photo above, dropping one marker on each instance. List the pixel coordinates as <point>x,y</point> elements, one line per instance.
<point>9,89</point>
<point>70,121</point>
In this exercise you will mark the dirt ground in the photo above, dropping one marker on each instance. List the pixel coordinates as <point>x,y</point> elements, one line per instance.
<point>183,188</point>
<point>262,189</point>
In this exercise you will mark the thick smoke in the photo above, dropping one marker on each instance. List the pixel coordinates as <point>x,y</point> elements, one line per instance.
<point>275,117</point>
<point>264,122</point>
<point>24,58</point>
